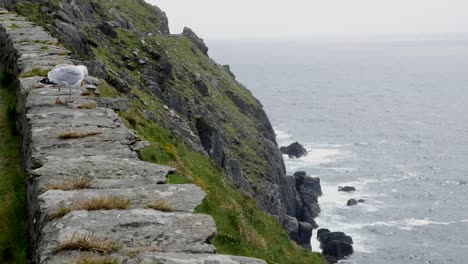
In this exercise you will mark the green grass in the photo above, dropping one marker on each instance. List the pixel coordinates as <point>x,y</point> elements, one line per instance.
<point>14,26</point>
<point>13,214</point>
<point>243,229</point>
<point>35,72</point>
<point>108,91</point>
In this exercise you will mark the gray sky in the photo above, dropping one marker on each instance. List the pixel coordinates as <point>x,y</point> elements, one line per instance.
<point>223,19</point>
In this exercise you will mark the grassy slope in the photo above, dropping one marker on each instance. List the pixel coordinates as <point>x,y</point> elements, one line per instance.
<point>243,229</point>
<point>13,215</point>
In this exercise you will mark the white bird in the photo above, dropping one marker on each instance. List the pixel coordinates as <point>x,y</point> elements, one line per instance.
<point>66,76</point>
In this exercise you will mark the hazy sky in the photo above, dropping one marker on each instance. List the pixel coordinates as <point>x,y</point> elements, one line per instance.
<point>220,19</point>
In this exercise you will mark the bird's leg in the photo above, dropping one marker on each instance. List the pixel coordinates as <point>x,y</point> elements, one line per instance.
<point>69,97</point>
<point>57,100</point>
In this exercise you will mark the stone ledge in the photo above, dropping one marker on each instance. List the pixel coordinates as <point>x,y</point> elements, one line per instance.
<point>179,197</point>
<point>132,230</point>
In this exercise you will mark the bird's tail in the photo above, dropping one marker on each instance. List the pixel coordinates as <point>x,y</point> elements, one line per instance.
<point>46,81</point>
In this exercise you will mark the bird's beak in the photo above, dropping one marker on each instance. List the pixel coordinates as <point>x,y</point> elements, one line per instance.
<point>82,83</point>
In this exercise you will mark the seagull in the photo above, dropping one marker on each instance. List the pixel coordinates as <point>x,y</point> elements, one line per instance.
<point>66,76</point>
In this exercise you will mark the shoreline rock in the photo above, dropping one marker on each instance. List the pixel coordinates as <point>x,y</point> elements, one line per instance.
<point>301,194</point>
<point>295,150</point>
<point>335,245</point>
<point>346,189</point>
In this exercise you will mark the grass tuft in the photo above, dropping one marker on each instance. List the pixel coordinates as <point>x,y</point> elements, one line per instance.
<point>74,184</point>
<point>89,242</point>
<point>161,206</point>
<point>102,203</point>
<point>78,134</point>
<point>88,93</point>
<point>90,105</point>
<point>61,212</point>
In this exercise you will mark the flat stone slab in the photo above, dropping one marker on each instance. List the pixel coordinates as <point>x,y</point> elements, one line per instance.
<point>49,137</point>
<point>64,116</point>
<point>39,156</point>
<point>103,167</point>
<point>178,197</point>
<point>177,258</point>
<point>147,257</point>
<point>136,229</point>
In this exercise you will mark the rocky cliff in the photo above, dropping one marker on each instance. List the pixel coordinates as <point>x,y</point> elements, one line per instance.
<point>90,198</point>
<point>171,81</point>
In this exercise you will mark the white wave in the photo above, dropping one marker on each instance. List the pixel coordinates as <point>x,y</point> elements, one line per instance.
<point>404,224</point>
<point>282,136</point>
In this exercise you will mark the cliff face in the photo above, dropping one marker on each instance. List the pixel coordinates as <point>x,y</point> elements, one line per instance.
<point>90,198</point>
<point>171,81</point>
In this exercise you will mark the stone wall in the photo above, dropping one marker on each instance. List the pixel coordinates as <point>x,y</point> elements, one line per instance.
<point>89,196</point>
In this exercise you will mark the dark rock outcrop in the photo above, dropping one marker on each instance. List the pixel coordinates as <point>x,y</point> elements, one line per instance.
<point>346,189</point>
<point>335,245</point>
<point>352,202</point>
<point>199,43</point>
<point>108,29</point>
<point>295,150</point>
<point>7,3</point>
<point>301,197</point>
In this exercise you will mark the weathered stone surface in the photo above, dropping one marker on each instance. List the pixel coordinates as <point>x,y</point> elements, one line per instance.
<point>180,197</point>
<point>132,229</point>
<point>171,258</point>
<point>151,256</point>
<point>103,167</point>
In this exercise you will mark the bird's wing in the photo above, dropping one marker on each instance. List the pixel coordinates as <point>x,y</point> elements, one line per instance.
<point>66,74</point>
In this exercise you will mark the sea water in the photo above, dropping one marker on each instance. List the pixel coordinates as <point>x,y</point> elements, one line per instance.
<point>388,117</point>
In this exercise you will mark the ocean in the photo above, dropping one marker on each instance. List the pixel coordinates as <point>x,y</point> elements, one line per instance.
<point>389,117</point>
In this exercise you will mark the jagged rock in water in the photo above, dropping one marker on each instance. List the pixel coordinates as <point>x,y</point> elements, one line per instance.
<point>352,202</point>
<point>301,194</point>
<point>335,245</point>
<point>199,43</point>
<point>361,201</point>
<point>346,189</point>
<point>295,150</point>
